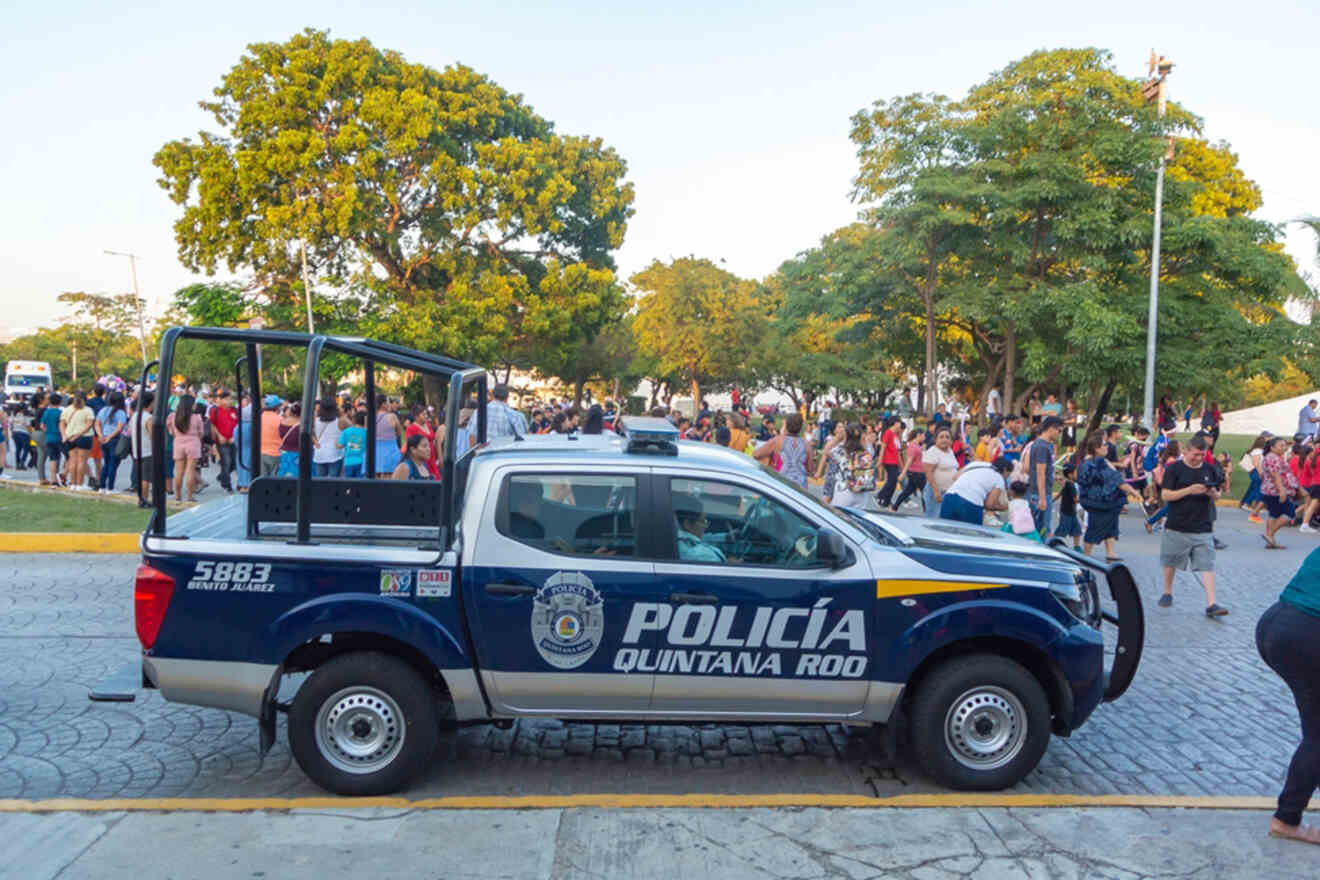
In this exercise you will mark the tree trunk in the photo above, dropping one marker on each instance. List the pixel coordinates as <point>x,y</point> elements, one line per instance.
<point>1010,365</point>
<point>615,394</point>
<point>929,297</point>
<point>1097,414</point>
<point>921,393</point>
<point>577,391</point>
<point>696,396</point>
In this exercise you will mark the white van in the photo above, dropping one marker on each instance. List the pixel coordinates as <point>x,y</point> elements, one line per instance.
<point>23,379</point>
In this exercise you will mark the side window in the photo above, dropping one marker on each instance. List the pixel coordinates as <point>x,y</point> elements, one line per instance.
<point>727,524</point>
<point>577,514</point>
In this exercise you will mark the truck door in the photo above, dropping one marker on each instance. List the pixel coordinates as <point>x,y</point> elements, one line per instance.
<point>551,584</point>
<point>756,626</point>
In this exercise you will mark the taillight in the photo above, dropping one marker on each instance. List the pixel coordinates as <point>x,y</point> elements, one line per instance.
<point>151,597</point>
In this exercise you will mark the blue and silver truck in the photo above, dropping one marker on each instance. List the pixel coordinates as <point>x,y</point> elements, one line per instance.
<point>608,577</point>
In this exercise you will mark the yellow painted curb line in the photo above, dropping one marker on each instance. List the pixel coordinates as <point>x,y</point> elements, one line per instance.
<point>635,801</point>
<point>69,542</point>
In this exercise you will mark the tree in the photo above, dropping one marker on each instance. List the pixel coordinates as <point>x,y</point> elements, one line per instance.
<point>842,320</point>
<point>697,321</point>
<point>102,330</point>
<point>912,156</point>
<point>465,220</point>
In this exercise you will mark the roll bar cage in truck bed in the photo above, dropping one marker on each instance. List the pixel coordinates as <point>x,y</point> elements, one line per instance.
<point>329,500</point>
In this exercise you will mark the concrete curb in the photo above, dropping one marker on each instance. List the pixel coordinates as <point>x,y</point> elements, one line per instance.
<point>112,498</point>
<point>70,542</point>
<point>637,801</point>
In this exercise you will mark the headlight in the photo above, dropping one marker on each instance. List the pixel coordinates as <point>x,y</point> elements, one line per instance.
<point>1070,597</point>
<point>1079,597</point>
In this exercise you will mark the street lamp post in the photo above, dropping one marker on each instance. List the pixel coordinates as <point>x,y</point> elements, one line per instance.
<point>307,286</point>
<point>1154,90</point>
<point>137,301</point>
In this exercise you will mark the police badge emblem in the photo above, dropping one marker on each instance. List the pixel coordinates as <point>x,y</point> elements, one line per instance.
<point>568,618</point>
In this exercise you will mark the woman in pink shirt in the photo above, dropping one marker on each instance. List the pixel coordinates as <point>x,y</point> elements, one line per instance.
<point>1308,476</point>
<point>186,429</point>
<point>912,469</point>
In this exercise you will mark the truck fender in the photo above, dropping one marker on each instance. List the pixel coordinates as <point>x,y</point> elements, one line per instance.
<point>365,612</point>
<point>971,620</point>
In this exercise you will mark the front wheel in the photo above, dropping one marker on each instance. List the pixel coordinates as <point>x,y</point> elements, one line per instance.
<point>980,723</point>
<point>363,724</point>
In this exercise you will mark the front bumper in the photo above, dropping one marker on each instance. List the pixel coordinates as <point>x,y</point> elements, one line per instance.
<point>1129,618</point>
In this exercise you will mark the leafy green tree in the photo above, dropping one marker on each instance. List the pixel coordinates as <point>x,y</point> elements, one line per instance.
<point>912,174</point>
<point>843,321</point>
<point>697,321</point>
<point>1039,184</point>
<point>467,222</point>
<point>102,328</point>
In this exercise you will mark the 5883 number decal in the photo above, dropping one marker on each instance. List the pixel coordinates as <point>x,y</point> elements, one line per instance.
<point>226,576</point>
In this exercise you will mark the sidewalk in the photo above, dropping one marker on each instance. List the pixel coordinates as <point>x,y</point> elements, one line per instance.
<point>981,842</point>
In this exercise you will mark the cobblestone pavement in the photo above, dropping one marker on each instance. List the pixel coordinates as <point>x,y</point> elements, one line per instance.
<point>1204,715</point>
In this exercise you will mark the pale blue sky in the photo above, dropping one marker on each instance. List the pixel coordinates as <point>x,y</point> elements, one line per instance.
<point>733,117</point>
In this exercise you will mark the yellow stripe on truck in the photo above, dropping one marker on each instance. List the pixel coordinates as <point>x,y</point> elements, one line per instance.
<point>894,589</point>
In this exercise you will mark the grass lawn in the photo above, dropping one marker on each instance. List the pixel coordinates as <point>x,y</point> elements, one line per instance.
<point>22,511</point>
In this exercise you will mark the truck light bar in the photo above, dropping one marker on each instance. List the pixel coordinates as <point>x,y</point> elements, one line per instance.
<point>647,434</point>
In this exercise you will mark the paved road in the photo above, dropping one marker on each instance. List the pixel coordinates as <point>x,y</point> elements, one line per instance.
<point>1203,717</point>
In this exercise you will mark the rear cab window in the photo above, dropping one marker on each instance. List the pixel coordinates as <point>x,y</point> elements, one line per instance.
<point>574,514</point>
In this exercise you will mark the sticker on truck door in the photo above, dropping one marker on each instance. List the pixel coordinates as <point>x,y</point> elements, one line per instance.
<point>433,584</point>
<point>395,583</point>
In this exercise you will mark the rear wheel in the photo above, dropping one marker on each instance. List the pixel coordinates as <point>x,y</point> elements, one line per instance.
<point>980,723</point>
<point>363,724</point>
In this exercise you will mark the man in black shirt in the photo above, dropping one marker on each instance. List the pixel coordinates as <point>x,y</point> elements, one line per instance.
<point>1190,488</point>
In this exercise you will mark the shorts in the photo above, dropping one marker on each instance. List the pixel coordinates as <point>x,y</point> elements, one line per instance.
<point>84,443</point>
<point>1314,491</point>
<point>1139,485</point>
<point>1194,551</point>
<point>145,470</point>
<point>1279,508</point>
<point>54,450</point>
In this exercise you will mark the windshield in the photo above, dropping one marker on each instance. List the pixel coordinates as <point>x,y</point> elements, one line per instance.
<point>861,522</point>
<point>19,380</point>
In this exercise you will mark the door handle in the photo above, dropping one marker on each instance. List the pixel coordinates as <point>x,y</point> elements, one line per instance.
<point>693,598</point>
<point>509,589</point>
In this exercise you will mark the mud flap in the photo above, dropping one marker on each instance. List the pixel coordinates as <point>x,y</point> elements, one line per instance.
<point>1130,619</point>
<point>266,721</point>
<point>1131,623</point>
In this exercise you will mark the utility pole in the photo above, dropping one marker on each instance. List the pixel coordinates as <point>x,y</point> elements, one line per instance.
<point>1153,89</point>
<point>137,301</point>
<point>307,286</point>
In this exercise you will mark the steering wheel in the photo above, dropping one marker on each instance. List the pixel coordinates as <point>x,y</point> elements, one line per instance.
<point>803,549</point>
<point>739,541</point>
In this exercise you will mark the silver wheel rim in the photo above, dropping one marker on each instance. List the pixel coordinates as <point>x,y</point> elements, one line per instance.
<point>360,729</point>
<point>986,728</point>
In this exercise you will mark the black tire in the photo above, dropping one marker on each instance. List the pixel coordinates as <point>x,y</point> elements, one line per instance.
<point>980,723</point>
<point>379,724</point>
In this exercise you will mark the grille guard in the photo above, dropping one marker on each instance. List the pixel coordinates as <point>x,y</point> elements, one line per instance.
<point>1130,620</point>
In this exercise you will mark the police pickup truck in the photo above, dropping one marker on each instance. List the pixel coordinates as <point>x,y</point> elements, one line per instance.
<point>603,577</point>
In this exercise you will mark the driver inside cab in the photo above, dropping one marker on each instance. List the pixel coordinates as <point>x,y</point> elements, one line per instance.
<point>694,544</point>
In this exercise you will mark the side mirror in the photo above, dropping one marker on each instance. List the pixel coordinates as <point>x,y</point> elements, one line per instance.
<point>830,549</point>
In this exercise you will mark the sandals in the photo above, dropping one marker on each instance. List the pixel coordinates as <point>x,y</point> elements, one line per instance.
<point>1301,833</point>
<point>1113,559</point>
<point>1271,545</point>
